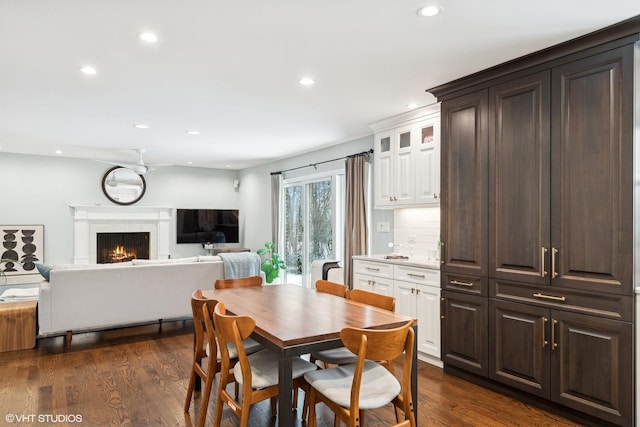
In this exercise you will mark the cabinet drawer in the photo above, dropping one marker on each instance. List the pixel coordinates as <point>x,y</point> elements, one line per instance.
<point>417,275</point>
<point>468,284</point>
<point>378,269</point>
<point>618,307</point>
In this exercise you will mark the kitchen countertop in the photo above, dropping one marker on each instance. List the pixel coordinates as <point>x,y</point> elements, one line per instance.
<point>421,262</point>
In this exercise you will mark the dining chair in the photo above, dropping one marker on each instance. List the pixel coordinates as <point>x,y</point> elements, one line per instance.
<point>385,302</point>
<point>327,287</point>
<point>342,355</point>
<point>369,383</point>
<point>205,344</point>
<point>257,373</point>
<point>240,282</point>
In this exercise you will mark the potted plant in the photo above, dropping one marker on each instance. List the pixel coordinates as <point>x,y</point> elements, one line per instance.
<point>271,263</point>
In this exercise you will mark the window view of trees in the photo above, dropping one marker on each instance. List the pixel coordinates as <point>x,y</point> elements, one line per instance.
<point>308,208</point>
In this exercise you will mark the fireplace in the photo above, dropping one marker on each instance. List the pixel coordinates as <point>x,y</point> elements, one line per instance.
<point>91,220</point>
<point>121,247</point>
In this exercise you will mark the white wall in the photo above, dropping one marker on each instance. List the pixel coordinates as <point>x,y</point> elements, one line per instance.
<point>255,191</point>
<point>39,190</point>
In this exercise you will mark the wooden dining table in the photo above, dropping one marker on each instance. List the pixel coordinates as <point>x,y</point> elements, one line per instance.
<point>293,320</point>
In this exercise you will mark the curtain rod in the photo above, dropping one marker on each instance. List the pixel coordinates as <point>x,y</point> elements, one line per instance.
<point>364,153</point>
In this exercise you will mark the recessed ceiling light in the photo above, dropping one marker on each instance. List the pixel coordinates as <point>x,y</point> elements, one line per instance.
<point>88,69</point>
<point>306,81</point>
<point>148,37</point>
<point>140,126</point>
<point>192,132</point>
<point>189,163</point>
<point>429,11</point>
<point>228,166</point>
<point>58,151</point>
<point>412,105</point>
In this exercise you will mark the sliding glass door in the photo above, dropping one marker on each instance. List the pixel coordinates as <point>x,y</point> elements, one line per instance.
<point>313,224</point>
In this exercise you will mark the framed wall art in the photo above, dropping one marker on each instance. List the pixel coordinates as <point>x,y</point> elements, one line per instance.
<point>23,244</point>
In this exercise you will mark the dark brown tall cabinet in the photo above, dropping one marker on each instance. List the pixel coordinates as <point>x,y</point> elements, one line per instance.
<point>537,225</point>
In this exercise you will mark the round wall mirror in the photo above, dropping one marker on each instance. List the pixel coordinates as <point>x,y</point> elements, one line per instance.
<point>123,186</point>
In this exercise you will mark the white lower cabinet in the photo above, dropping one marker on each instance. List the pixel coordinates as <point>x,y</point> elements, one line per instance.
<point>417,294</point>
<point>373,276</point>
<point>375,284</point>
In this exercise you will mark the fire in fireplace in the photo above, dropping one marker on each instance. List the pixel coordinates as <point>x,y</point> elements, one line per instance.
<point>120,247</point>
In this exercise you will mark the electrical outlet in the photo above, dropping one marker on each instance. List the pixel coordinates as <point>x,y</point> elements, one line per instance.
<point>411,239</point>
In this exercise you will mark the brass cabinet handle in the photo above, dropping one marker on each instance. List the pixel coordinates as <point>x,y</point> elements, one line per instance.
<point>413,290</point>
<point>543,256</point>
<point>551,297</point>
<point>421,276</point>
<point>442,253</point>
<point>417,291</point>
<point>554,252</point>
<point>457,282</point>
<point>390,199</point>
<point>544,325</point>
<point>372,268</point>
<point>554,344</point>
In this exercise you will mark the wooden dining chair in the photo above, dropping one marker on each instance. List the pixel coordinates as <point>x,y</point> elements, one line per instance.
<point>385,302</point>
<point>257,373</point>
<point>201,350</point>
<point>327,287</point>
<point>241,282</point>
<point>342,355</point>
<point>205,345</point>
<point>349,390</point>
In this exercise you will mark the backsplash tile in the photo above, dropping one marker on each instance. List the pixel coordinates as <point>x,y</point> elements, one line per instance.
<point>421,223</point>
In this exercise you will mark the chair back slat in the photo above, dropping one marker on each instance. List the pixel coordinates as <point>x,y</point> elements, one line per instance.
<point>371,298</point>
<point>327,287</point>
<point>241,282</point>
<point>380,345</point>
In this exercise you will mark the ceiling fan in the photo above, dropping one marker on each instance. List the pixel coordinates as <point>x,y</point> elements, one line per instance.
<point>140,167</point>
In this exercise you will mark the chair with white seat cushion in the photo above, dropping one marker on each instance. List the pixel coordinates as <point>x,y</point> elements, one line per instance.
<point>257,374</point>
<point>204,345</point>
<point>341,355</point>
<point>369,383</point>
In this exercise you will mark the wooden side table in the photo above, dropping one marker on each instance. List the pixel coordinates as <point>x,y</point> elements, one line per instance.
<point>17,325</point>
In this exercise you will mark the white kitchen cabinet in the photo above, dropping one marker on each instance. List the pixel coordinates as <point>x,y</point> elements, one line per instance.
<point>407,159</point>
<point>373,276</point>
<point>417,294</point>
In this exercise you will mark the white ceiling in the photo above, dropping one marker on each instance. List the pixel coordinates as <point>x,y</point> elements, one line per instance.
<point>230,69</point>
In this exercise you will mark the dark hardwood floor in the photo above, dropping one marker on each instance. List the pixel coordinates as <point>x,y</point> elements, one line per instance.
<point>138,377</point>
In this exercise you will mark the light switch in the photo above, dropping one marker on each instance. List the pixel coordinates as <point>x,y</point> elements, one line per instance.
<point>382,227</point>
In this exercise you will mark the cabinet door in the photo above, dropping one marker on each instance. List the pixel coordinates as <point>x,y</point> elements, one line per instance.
<point>519,174</point>
<point>426,154</point>
<point>592,172</point>
<point>428,314</point>
<point>382,171</point>
<point>403,167</point>
<point>464,332</point>
<point>519,346</point>
<point>405,295</point>
<point>592,365</point>
<point>383,286</point>
<point>362,281</point>
<point>464,185</point>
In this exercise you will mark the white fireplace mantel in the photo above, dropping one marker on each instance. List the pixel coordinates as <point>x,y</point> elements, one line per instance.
<point>92,219</point>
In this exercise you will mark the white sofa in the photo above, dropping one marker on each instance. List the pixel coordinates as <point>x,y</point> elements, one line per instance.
<point>90,297</point>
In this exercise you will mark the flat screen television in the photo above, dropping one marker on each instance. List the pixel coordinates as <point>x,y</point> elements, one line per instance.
<point>207,226</point>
